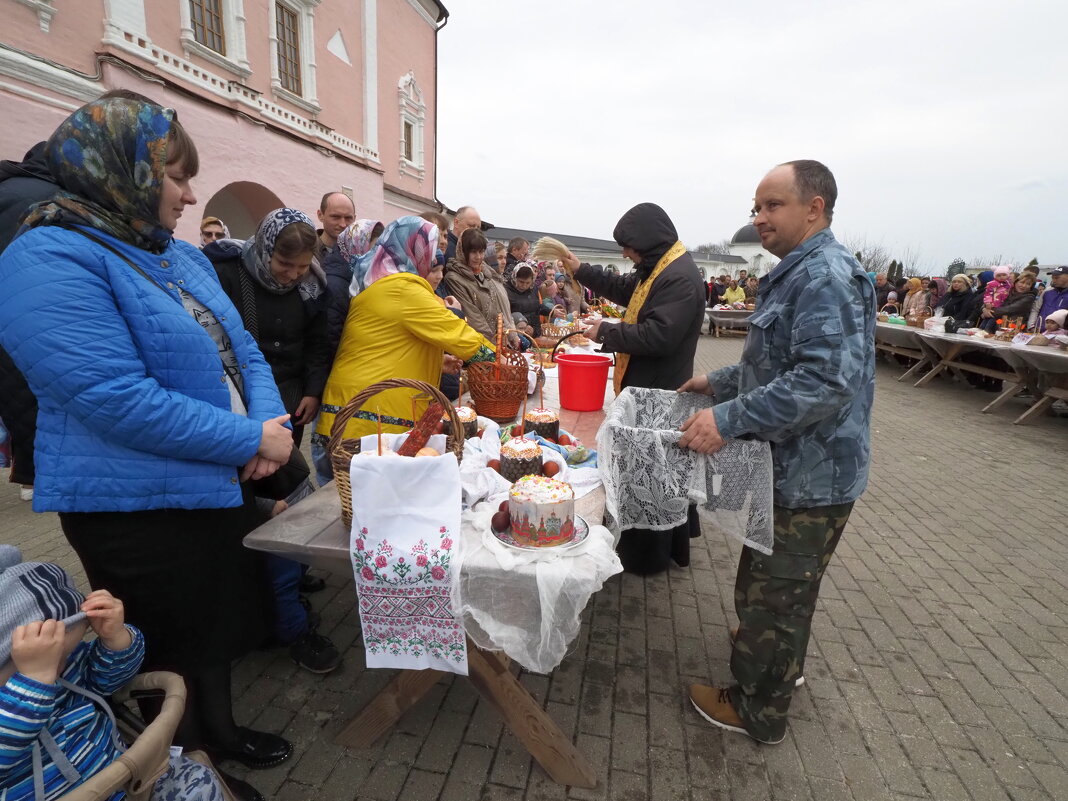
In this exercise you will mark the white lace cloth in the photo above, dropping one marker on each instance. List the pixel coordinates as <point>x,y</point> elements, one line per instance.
<point>527,603</point>
<point>649,481</point>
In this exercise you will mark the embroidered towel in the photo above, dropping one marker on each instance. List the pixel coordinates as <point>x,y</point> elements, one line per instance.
<point>405,527</point>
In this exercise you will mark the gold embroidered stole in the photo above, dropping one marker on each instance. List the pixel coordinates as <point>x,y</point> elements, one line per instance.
<point>637,300</point>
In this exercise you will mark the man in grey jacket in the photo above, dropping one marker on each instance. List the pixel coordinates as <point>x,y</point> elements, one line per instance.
<point>805,384</point>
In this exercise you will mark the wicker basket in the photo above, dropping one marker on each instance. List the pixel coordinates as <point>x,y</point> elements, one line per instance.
<point>498,387</point>
<point>916,319</point>
<point>557,331</point>
<point>342,450</point>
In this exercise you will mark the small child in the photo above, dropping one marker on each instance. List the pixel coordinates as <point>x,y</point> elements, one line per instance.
<point>55,728</point>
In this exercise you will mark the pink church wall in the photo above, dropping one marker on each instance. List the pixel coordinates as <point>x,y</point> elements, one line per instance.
<point>405,42</point>
<point>238,154</point>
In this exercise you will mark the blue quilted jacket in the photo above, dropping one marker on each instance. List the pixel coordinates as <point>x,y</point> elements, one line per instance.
<point>134,406</point>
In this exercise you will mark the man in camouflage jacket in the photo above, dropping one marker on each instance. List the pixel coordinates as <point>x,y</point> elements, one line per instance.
<point>805,384</point>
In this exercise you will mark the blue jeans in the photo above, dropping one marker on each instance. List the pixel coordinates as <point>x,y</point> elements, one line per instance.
<point>324,470</point>
<point>291,619</point>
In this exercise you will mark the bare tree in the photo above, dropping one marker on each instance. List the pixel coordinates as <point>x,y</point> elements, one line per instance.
<point>873,256</point>
<point>910,263</point>
<point>985,262</point>
<point>721,248</point>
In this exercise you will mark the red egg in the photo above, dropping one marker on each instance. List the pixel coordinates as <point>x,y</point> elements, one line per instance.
<point>503,507</point>
<point>495,464</point>
<point>565,440</point>
<point>550,469</point>
<point>501,521</point>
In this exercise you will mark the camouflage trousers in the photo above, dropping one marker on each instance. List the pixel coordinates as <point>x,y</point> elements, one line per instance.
<point>775,598</point>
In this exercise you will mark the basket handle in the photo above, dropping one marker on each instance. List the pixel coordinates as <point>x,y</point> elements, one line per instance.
<point>337,430</point>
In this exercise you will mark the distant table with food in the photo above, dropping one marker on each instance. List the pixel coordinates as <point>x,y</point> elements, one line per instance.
<point>734,321</point>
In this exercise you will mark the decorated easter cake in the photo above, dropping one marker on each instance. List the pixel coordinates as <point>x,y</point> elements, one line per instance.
<point>468,419</point>
<point>520,457</point>
<point>544,422</point>
<point>542,511</point>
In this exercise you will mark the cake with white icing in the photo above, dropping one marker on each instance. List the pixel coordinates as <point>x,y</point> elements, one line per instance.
<point>542,512</point>
<point>542,421</point>
<point>468,419</point>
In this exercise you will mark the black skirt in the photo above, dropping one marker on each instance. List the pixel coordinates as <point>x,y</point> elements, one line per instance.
<point>644,552</point>
<point>197,594</point>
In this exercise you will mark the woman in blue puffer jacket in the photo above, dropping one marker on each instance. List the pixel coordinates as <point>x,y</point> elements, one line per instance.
<point>155,404</point>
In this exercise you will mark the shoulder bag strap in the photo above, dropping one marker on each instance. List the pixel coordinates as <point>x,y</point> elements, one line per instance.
<point>118,253</point>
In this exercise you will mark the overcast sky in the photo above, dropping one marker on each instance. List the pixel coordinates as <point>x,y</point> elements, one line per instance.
<point>945,122</point>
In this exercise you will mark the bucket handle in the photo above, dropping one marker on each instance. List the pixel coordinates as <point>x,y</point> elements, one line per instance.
<point>552,357</point>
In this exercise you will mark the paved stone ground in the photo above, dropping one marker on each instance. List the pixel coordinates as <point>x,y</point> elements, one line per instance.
<point>938,668</point>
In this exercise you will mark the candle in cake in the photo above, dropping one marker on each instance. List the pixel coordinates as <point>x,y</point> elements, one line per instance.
<point>378,415</point>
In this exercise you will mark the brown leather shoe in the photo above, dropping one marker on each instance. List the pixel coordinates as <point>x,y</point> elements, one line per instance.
<point>714,705</point>
<point>733,635</point>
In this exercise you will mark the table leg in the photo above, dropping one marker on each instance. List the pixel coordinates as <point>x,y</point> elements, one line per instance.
<point>531,724</point>
<point>923,362</point>
<point>951,354</point>
<point>1011,391</point>
<point>1043,403</point>
<point>379,716</point>
<point>1051,394</point>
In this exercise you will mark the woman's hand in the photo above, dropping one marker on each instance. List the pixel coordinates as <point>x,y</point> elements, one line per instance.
<point>452,303</point>
<point>276,442</point>
<point>306,410</point>
<point>37,648</point>
<point>451,364</point>
<point>108,619</point>
<point>260,467</point>
<point>987,314</point>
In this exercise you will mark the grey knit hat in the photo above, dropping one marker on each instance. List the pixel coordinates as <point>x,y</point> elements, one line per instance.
<point>32,591</point>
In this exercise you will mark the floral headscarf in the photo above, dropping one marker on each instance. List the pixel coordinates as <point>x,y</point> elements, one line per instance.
<point>109,159</point>
<point>355,240</point>
<point>407,245</point>
<point>258,249</point>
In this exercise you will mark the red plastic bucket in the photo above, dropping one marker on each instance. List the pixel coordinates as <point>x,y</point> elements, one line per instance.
<point>582,380</point>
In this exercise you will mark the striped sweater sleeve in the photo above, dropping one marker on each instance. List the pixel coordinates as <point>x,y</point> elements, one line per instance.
<point>25,706</point>
<point>106,671</point>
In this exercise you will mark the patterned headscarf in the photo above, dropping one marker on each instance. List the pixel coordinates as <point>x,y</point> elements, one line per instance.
<point>406,246</point>
<point>258,249</point>
<point>355,240</point>
<point>109,159</point>
<point>938,287</point>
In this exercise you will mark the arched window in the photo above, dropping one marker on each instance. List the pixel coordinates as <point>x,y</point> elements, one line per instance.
<point>412,121</point>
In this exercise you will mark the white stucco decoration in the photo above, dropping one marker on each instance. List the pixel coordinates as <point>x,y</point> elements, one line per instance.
<point>336,45</point>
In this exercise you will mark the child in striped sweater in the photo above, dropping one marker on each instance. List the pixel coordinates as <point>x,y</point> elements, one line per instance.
<point>56,730</point>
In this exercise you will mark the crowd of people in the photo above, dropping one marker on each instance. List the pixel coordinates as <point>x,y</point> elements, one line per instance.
<point>170,386</point>
<point>157,392</point>
<point>981,301</point>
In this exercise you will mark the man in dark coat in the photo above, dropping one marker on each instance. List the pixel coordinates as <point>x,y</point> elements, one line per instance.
<point>663,341</point>
<point>655,350</point>
<point>21,185</point>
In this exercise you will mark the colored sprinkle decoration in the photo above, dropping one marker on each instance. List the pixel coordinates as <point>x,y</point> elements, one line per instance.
<point>539,489</point>
<point>519,448</point>
<point>542,415</point>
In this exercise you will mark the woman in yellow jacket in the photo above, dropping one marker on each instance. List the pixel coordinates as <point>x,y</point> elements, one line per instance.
<point>734,293</point>
<point>396,328</point>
